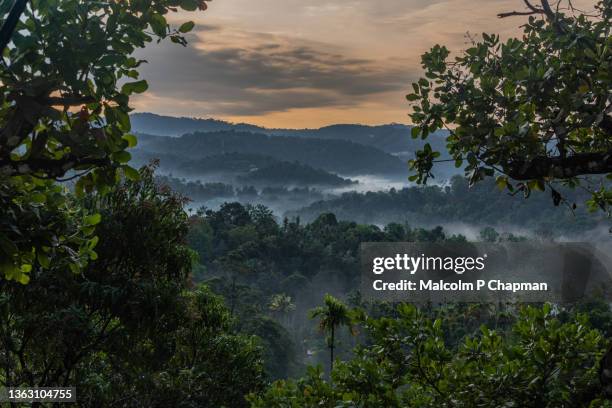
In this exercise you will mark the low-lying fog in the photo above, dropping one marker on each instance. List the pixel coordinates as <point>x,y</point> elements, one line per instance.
<point>290,200</point>
<point>282,204</point>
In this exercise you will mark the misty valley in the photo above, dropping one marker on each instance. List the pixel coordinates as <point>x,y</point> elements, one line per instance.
<point>359,173</point>
<point>289,204</point>
<point>278,217</point>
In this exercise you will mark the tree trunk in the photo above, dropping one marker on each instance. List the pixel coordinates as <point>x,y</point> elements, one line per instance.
<point>331,351</point>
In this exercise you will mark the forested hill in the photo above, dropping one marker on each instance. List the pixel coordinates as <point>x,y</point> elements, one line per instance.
<point>481,205</point>
<point>391,138</point>
<point>338,156</point>
<point>286,173</point>
<point>173,126</point>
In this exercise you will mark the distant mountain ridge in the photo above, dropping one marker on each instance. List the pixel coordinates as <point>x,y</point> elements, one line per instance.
<point>390,138</point>
<point>333,155</point>
<point>160,125</point>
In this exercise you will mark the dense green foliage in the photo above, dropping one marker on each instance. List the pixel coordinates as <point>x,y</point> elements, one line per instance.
<point>534,109</point>
<point>67,75</point>
<point>129,330</point>
<point>270,271</point>
<point>115,289</point>
<point>407,360</point>
<point>246,242</point>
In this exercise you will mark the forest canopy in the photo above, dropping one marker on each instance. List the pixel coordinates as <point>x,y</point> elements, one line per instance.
<point>109,283</point>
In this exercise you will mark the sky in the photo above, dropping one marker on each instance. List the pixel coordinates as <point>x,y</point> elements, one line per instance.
<point>298,64</point>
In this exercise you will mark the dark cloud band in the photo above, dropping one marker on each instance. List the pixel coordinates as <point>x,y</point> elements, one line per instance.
<point>267,74</point>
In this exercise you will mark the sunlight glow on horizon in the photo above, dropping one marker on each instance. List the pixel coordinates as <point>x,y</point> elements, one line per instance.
<point>293,64</point>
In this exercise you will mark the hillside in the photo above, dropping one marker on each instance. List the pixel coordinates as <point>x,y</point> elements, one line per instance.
<point>333,155</point>
<point>286,173</point>
<point>391,138</point>
<point>481,205</point>
<point>172,126</point>
<point>227,163</point>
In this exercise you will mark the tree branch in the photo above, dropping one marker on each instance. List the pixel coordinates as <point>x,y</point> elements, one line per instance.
<point>68,100</point>
<point>6,32</point>
<point>517,13</point>
<point>51,168</point>
<point>531,7</point>
<point>548,11</point>
<point>560,168</point>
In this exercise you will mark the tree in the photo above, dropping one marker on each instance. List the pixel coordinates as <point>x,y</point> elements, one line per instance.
<point>534,111</point>
<point>67,75</point>
<point>281,305</point>
<point>489,234</point>
<point>128,331</point>
<point>212,366</point>
<point>408,361</point>
<point>331,316</point>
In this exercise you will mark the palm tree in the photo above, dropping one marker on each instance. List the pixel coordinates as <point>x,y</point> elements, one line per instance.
<point>281,305</point>
<point>331,316</point>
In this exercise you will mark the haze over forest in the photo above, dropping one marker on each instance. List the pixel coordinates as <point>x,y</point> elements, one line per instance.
<point>186,185</point>
<point>358,172</point>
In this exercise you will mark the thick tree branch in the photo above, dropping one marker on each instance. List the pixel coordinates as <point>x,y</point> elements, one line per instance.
<point>545,9</point>
<point>6,32</point>
<point>550,14</point>
<point>560,168</point>
<point>49,167</point>
<point>68,100</point>
<point>531,7</point>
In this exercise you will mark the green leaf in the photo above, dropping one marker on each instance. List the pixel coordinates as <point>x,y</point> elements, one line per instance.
<point>93,219</point>
<point>23,279</point>
<point>124,119</point>
<point>186,27</point>
<point>501,182</point>
<point>135,87</point>
<point>121,157</point>
<point>43,259</point>
<point>91,244</point>
<point>537,185</point>
<point>189,5</point>
<point>158,24</point>
<point>131,173</point>
<point>130,139</point>
<point>38,198</point>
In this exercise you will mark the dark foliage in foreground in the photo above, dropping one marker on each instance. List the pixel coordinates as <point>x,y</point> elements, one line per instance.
<point>129,331</point>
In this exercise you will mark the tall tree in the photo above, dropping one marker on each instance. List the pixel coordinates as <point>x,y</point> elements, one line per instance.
<point>536,109</point>
<point>332,315</point>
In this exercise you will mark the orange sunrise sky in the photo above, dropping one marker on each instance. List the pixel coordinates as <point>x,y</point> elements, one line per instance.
<point>296,64</point>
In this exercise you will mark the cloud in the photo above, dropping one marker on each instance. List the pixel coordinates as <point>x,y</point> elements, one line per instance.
<point>246,73</point>
<point>297,63</point>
